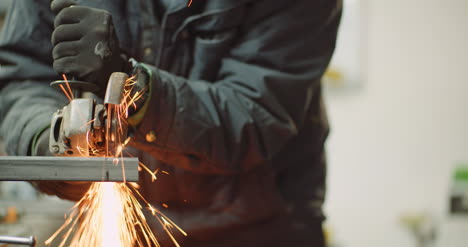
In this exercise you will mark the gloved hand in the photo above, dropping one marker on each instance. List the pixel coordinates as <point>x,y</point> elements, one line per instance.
<point>85,43</point>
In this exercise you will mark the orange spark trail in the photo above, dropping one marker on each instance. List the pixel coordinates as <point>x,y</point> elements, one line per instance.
<point>68,85</point>
<point>65,92</point>
<point>110,214</point>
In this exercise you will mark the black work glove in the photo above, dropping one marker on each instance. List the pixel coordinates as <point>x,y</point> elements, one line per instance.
<point>85,43</point>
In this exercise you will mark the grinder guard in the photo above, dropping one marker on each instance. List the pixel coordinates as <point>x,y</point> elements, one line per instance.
<point>83,125</point>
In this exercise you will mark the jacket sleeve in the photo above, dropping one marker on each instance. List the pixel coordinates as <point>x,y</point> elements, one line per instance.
<point>259,101</point>
<point>26,101</point>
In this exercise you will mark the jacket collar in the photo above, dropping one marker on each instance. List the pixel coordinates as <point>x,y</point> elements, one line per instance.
<point>208,5</point>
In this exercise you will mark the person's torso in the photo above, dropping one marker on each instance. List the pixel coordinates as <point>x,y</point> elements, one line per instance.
<point>191,42</point>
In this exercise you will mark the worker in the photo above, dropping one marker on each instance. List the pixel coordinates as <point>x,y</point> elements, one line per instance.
<point>233,112</point>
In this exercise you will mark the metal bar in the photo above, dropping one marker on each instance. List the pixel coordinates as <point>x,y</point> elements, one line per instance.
<point>98,169</point>
<point>31,241</point>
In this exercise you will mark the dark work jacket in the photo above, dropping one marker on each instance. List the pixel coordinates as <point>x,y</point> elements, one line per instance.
<point>236,109</point>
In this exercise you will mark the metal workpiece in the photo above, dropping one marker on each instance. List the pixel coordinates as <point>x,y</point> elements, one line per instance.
<point>96,169</point>
<point>29,241</point>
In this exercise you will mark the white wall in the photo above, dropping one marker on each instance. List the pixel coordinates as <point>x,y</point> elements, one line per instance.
<point>395,141</point>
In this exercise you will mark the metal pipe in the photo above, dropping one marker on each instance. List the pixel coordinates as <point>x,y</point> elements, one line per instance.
<point>30,241</point>
<point>97,169</point>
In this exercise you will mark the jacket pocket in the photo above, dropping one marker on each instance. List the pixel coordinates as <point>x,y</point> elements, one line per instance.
<point>208,51</point>
<point>213,36</point>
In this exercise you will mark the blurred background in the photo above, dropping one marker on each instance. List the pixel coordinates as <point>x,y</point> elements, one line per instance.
<point>398,151</point>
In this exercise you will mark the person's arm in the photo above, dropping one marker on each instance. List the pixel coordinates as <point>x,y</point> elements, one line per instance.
<point>257,104</point>
<point>259,101</point>
<point>26,101</point>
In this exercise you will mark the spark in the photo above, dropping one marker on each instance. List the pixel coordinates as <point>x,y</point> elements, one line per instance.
<point>153,174</point>
<point>108,215</point>
<point>65,92</point>
<point>190,3</point>
<point>111,214</point>
<point>68,85</point>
